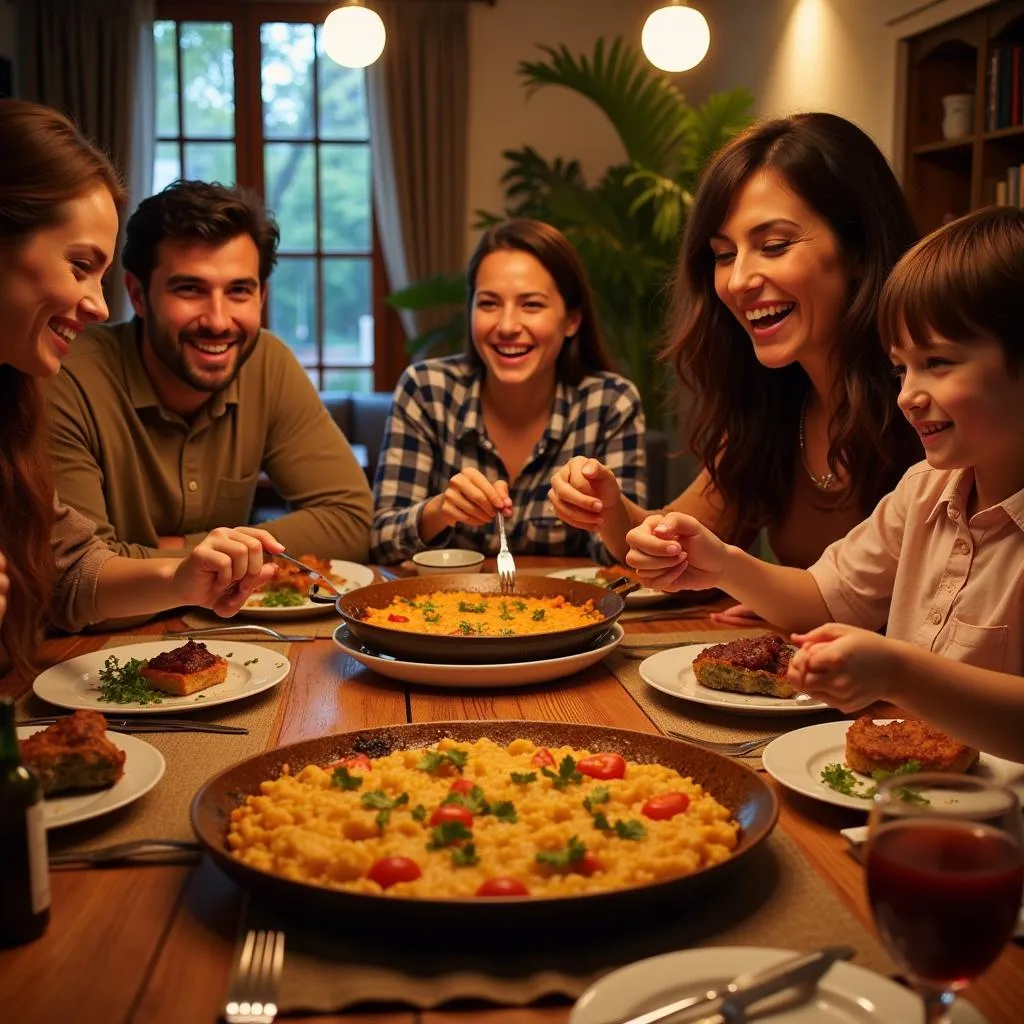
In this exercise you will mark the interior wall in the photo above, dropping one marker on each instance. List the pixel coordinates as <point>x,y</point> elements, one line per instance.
<point>6,30</point>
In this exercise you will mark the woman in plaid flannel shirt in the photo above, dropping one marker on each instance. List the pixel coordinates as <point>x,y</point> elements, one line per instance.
<point>478,434</point>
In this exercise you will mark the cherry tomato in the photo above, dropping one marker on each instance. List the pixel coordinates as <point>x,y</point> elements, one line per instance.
<point>665,806</point>
<point>452,812</point>
<point>587,865</point>
<point>603,766</point>
<point>503,887</point>
<point>398,618</point>
<point>389,870</point>
<point>543,758</point>
<point>462,786</point>
<point>360,761</point>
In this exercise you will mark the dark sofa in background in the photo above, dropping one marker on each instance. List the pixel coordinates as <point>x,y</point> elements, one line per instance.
<point>362,417</point>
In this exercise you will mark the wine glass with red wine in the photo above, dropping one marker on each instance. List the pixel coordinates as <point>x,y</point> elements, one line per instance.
<point>945,871</point>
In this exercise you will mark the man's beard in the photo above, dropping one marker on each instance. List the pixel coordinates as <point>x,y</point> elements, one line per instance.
<point>171,352</point>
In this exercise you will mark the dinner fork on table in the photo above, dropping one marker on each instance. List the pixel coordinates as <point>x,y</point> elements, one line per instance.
<point>239,628</point>
<point>736,748</point>
<point>506,564</point>
<point>255,979</point>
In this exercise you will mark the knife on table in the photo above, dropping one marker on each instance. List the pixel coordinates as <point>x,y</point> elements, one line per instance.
<point>751,987</point>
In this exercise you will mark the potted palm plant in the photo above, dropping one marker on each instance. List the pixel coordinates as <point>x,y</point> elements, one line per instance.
<point>626,227</point>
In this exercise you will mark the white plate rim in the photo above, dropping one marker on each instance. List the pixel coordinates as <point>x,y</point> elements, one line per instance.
<point>638,599</point>
<point>885,999</point>
<point>816,739</point>
<point>360,575</point>
<point>499,675</point>
<point>724,700</point>
<point>56,684</point>
<point>140,757</point>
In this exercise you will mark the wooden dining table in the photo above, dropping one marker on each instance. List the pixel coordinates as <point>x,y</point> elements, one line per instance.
<point>154,944</point>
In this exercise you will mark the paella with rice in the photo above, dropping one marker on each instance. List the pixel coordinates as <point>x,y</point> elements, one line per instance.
<point>476,818</point>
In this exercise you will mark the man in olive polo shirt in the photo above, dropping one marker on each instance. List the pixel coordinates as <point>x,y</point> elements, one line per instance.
<point>161,426</point>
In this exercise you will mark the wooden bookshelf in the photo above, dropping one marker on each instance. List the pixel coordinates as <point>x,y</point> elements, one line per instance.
<point>980,53</point>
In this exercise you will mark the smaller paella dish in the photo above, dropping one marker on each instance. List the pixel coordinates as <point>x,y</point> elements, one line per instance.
<point>480,819</point>
<point>465,613</point>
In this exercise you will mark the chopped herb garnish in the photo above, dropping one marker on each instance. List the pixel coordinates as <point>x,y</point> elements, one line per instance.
<point>433,760</point>
<point>230,654</point>
<point>566,773</point>
<point>601,822</point>
<point>537,614</point>
<point>573,853</point>
<point>599,795</point>
<point>505,811</point>
<point>842,780</point>
<point>201,696</point>
<point>446,833</point>
<point>123,684</point>
<point>433,618</point>
<point>473,801</point>
<point>251,661</point>
<point>464,856</point>
<point>523,777</point>
<point>475,609</point>
<point>630,829</point>
<point>377,798</point>
<point>466,628</point>
<point>419,813</point>
<point>285,597</point>
<point>344,779</point>
<point>520,606</point>
<point>504,614</point>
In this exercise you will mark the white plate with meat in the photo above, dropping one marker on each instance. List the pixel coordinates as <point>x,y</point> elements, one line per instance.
<point>76,683</point>
<point>287,598</point>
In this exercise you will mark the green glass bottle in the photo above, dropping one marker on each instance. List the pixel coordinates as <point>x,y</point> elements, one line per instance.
<point>24,871</point>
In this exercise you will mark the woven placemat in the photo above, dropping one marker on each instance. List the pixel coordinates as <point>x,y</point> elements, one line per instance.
<point>699,720</point>
<point>776,900</point>
<point>319,625</point>
<point>192,758</point>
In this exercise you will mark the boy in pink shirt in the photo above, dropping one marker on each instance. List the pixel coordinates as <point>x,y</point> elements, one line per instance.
<point>940,562</point>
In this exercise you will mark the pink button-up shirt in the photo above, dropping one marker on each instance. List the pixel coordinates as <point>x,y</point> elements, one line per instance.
<point>930,575</point>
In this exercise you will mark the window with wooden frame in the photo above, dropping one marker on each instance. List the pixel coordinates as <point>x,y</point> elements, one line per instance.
<point>246,94</point>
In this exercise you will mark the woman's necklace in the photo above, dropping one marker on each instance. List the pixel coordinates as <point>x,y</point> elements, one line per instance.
<point>824,482</point>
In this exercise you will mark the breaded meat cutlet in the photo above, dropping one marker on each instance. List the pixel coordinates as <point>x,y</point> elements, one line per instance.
<point>870,747</point>
<point>752,665</point>
<point>186,669</point>
<point>74,753</point>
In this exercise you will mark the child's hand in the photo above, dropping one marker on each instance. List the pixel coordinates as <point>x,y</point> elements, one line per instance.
<point>675,552</point>
<point>472,499</point>
<point>581,491</point>
<point>224,568</point>
<point>844,666</point>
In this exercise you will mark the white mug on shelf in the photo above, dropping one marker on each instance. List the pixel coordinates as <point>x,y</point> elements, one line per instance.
<point>957,115</point>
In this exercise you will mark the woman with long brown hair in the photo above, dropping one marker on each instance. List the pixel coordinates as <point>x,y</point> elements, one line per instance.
<point>793,231</point>
<point>59,202</point>
<point>475,435</point>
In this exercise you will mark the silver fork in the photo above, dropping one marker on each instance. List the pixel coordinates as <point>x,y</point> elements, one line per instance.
<point>319,577</point>
<point>506,564</point>
<point>736,748</point>
<point>252,990</point>
<point>239,628</point>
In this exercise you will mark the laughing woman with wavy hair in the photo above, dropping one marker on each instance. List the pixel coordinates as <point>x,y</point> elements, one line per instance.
<point>794,229</point>
<point>59,201</point>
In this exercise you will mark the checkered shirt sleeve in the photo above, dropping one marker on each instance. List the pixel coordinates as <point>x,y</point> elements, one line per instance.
<point>435,430</point>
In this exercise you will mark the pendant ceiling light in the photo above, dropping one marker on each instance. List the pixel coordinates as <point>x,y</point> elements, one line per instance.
<point>354,35</point>
<point>676,37</point>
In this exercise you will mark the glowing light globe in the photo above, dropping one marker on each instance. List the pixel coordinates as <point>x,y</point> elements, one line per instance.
<point>354,36</point>
<point>675,38</point>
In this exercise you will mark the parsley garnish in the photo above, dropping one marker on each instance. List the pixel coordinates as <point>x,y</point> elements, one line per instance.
<point>466,628</point>
<point>630,829</point>
<point>572,854</point>
<point>251,661</point>
<point>446,833</point>
<point>599,795</point>
<point>505,615</point>
<point>124,684</point>
<point>523,777</point>
<point>537,614</point>
<point>384,804</point>
<point>566,773</point>
<point>475,609</point>
<point>520,606</point>
<point>344,779</point>
<point>473,801</point>
<point>419,813</point>
<point>842,780</point>
<point>465,855</point>
<point>286,597</point>
<point>433,760</point>
<point>432,617</point>
<point>201,696</point>
<point>505,811</point>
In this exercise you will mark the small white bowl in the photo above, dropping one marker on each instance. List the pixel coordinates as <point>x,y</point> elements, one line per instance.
<point>447,560</point>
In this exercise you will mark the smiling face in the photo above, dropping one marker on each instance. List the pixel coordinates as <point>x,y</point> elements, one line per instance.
<point>779,270</point>
<point>519,318</point>
<point>967,409</point>
<point>51,284</point>
<point>201,317</point>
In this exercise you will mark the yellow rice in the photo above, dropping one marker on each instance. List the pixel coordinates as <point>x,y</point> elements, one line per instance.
<point>305,828</point>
